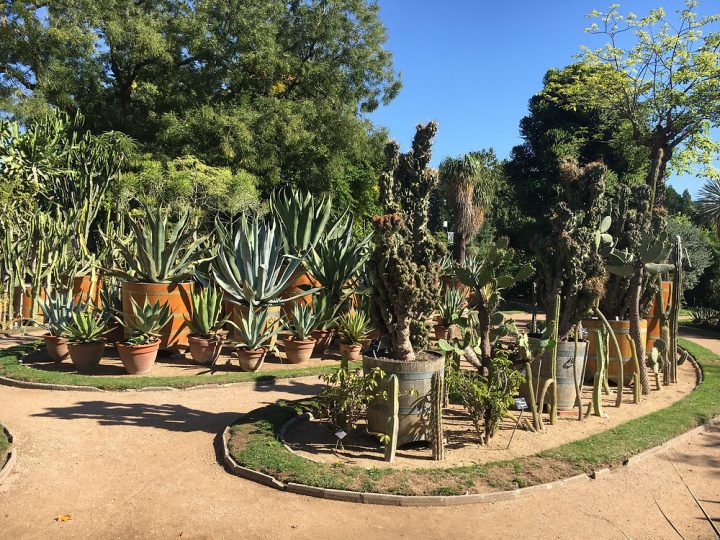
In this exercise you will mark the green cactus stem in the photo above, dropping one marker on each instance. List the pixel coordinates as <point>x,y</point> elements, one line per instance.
<point>393,421</point>
<point>597,407</point>
<point>537,421</point>
<point>675,306</point>
<point>616,345</point>
<point>636,375</point>
<point>576,380</point>
<point>553,359</point>
<point>436,417</point>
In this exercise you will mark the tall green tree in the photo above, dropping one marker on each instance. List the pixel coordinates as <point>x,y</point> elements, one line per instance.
<point>274,88</point>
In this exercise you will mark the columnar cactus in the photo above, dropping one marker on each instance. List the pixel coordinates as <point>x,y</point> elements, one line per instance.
<point>393,420</point>
<point>404,264</point>
<point>569,262</point>
<point>436,417</point>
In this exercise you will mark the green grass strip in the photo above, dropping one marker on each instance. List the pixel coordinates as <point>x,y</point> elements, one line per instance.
<point>4,444</point>
<point>254,445</point>
<point>11,367</point>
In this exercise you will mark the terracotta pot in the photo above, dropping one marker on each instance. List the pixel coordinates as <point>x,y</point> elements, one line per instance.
<point>57,347</point>
<point>138,359</point>
<point>443,332</point>
<point>204,351</point>
<point>298,351</point>
<point>250,359</point>
<point>23,301</point>
<point>176,295</point>
<point>351,351</point>
<point>86,356</point>
<point>237,311</point>
<point>85,289</point>
<point>300,281</point>
<point>654,325</point>
<point>322,338</point>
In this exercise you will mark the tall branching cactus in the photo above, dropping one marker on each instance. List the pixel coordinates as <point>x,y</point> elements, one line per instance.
<point>404,268</point>
<point>569,262</point>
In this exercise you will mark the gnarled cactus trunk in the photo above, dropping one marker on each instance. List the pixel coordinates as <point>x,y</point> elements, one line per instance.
<point>636,288</point>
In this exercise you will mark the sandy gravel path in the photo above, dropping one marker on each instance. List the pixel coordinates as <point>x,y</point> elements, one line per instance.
<point>142,465</point>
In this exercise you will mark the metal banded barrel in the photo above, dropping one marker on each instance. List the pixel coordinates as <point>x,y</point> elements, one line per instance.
<point>415,383</point>
<point>176,295</point>
<point>621,329</point>
<point>565,380</point>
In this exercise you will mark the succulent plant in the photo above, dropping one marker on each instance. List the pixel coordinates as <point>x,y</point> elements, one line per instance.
<point>452,307</point>
<point>145,323</point>
<point>303,321</point>
<point>303,218</point>
<point>159,251</point>
<point>254,268</point>
<point>205,320</point>
<point>404,264</point>
<point>57,309</point>
<point>353,327</point>
<point>86,326</point>
<point>254,332</point>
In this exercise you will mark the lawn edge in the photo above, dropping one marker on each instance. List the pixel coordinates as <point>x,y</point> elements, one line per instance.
<point>11,458</point>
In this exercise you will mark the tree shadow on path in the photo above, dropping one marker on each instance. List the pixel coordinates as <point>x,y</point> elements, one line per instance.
<point>170,417</point>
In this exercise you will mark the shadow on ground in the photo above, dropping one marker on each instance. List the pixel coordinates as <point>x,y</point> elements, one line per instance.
<point>170,417</point>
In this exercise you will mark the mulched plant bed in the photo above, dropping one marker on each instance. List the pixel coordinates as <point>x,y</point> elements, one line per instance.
<point>253,444</point>
<point>17,363</point>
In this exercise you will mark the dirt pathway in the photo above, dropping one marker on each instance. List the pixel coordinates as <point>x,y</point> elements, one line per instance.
<point>139,465</point>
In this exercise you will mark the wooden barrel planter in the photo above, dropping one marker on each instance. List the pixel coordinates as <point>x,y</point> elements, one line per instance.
<point>236,311</point>
<point>653,321</point>
<point>176,295</point>
<point>566,393</point>
<point>415,382</point>
<point>300,281</point>
<point>621,329</point>
<point>85,289</point>
<point>23,302</point>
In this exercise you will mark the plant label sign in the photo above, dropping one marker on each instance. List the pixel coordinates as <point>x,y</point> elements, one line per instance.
<point>520,403</point>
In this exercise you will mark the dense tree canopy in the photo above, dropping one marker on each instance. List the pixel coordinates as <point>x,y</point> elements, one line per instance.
<point>271,88</point>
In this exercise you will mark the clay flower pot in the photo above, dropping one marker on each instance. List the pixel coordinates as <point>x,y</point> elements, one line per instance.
<point>250,359</point>
<point>138,359</point>
<point>298,351</point>
<point>86,356</point>
<point>443,332</point>
<point>322,338</point>
<point>351,351</point>
<point>57,347</point>
<point>204,351</point>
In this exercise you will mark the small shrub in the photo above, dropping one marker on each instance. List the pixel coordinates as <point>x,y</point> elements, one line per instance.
<point>345,398</point>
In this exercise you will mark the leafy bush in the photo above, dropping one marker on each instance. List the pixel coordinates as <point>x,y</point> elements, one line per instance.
<point>345,398</point>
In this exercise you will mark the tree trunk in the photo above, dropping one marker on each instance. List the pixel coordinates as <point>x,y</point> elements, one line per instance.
<point>660,154</point>
<point>485,344</point>
<point>401,345</point>
<point>636,288</point>
<point>459,247</point>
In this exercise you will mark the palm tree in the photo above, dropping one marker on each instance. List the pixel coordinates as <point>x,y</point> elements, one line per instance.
<point>470,181</point>
<point>709,202</point>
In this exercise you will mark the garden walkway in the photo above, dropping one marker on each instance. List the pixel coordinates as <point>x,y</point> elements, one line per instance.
<point>136,465</point>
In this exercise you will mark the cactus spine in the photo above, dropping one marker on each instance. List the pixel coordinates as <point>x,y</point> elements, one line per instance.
<point>436,417</point>
<point>393,421</point>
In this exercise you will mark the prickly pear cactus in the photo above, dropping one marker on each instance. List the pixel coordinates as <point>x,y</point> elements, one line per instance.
<point>404,265</point>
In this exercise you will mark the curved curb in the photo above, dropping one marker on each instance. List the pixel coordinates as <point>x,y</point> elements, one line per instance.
<point>440,500</point>
<point>11,459</point>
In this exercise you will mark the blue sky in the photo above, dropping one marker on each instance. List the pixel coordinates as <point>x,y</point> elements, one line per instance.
<point>473,65</point>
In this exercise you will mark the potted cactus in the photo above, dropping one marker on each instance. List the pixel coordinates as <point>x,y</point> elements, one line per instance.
<point>161,258</point>
<point>253,269</point>
<point>84,332</point>
<point>451,311</point>
<point>405,277</point>
<point>353,327</point>
<point>57,311</point>
<point>143,327</point>
<point>254,334</point>
<point>205,340</point>
<point>299,346</point>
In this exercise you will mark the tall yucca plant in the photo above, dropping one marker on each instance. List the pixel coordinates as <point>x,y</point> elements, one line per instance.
<point>162,251</point>
<point>253,268</point>
<point>471,186</point>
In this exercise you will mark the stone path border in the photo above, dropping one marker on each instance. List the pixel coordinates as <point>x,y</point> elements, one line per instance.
<point>7,467</point>
<point>437,500</point>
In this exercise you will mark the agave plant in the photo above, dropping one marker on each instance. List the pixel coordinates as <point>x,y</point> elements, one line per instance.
<point>86,326</point>
<point>338,258</point>
<point>254,269</point>
<point>57,310</point>
<point>303,218</point>
<point>111,298</point>
<point>145,323</point>
<point>159,251</point>
<point>206,307</point>
<point>353,327</point>
<point>303,321</point>
<point>451,309</point>
<point>254,331</point>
